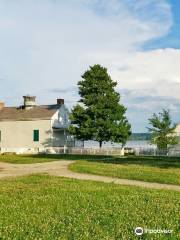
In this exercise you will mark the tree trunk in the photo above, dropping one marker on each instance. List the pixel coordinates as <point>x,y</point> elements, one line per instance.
<point>100,144</point>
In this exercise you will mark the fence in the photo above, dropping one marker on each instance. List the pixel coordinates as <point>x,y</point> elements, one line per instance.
<point>64,150</point>
<point>174,152</point>
<point>83,151</point>
<point>94,151</point>
<point>171,152</point>
<point>114,151</point>
<point>151,152</point>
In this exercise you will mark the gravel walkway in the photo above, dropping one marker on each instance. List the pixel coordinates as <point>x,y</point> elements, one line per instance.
<point>60,168</point>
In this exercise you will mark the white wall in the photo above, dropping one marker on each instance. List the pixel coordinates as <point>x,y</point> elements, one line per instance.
<point>61,118</point>
<point>19,134</point>
<point>177,130</point>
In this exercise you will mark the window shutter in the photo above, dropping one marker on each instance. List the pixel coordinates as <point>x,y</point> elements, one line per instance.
<point>36,136</point>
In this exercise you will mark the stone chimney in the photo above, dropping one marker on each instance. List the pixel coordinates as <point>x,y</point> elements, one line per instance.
<point>29,101</point>
<point>60,101</point>
<point>2,105</point>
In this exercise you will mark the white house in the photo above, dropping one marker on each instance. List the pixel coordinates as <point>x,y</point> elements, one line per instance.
<point>32,128</point>
<point>175,150</point>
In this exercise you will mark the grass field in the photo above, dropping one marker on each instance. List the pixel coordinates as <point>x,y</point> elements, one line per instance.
<point>150,169</point>
<point>27,159</point>
<point>38,158</point>
<point>46,207</point>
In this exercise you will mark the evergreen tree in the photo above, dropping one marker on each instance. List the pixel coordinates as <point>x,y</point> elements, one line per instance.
<point>162,130</point>
<point>99,116</point>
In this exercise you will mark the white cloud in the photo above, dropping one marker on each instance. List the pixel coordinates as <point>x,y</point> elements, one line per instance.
<point>48,44</point>
<point>157,69</point>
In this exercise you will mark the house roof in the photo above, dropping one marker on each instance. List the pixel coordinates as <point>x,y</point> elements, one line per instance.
<point>21,114</point>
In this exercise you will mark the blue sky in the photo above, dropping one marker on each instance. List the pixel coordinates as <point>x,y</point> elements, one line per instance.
<point>46,45</point>
<point>172,39</point>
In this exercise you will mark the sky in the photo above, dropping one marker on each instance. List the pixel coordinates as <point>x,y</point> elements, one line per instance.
<point>46,45</point>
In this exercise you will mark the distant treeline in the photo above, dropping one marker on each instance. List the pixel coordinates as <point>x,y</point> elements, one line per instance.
<point>140,136</point>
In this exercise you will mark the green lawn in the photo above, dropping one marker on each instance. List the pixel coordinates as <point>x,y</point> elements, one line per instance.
<point>27,159</point>
<point>46,207</point>
<point>150,169</point>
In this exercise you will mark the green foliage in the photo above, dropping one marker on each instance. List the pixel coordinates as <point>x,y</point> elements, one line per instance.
<point>99,116</point>
<point>46,207</point>
<point>149,169</point>
<point>162,130</point>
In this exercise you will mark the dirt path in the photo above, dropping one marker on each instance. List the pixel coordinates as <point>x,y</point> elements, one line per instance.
<point>60,168</point>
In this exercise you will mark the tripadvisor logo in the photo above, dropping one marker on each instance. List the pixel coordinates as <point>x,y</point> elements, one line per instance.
<point>138,231</point>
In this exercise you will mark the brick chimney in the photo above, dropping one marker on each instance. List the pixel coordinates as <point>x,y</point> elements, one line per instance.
<point>60,101</point>
<point>29,101</point>
<point>2,105</point>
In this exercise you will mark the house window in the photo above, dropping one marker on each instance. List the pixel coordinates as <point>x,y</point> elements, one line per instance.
<point>36,136</point>
<point>0,135</point>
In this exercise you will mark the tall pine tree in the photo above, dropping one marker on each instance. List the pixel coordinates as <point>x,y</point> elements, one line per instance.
<point>99,116</point>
